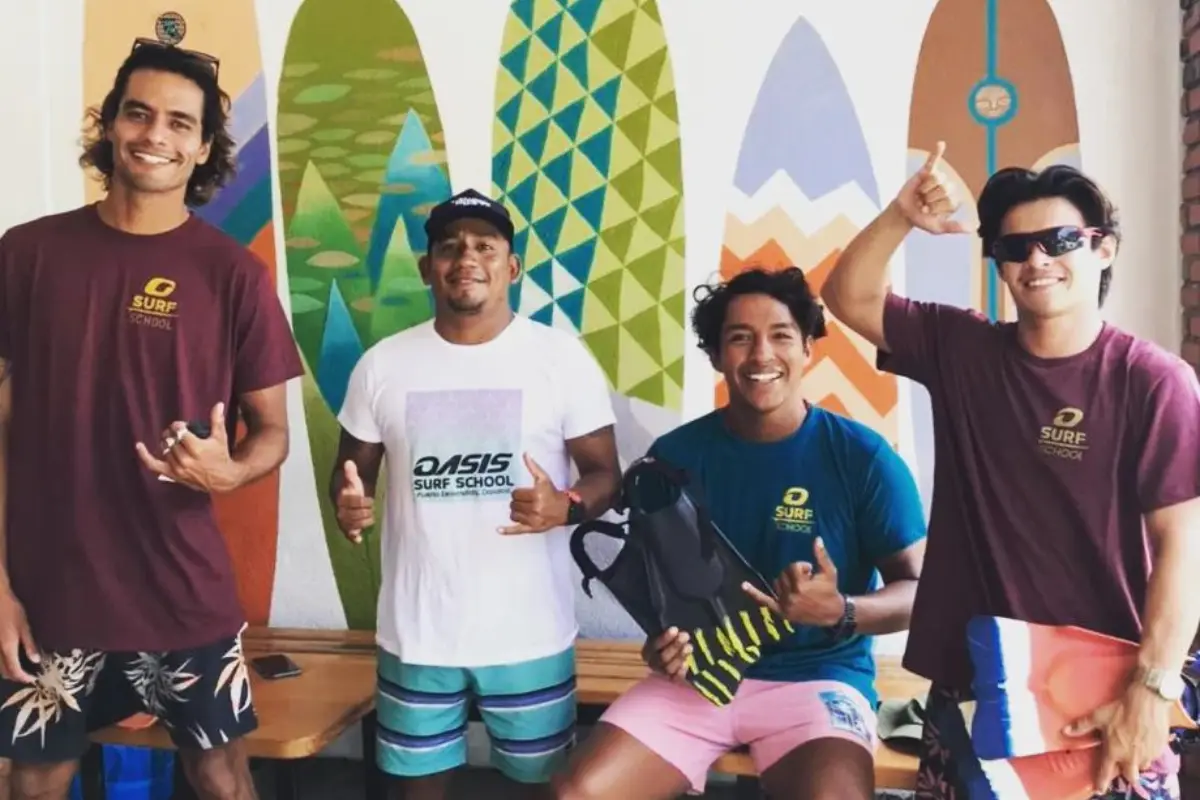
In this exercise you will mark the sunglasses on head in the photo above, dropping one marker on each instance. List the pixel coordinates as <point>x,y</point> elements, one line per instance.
<point>1053,242</point>
<point>211,61</point>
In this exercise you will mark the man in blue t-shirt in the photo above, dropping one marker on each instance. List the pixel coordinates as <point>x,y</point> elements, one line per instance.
<point>818,504</point>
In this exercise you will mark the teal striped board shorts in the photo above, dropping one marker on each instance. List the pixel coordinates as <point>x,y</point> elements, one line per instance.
<point>528,709</point>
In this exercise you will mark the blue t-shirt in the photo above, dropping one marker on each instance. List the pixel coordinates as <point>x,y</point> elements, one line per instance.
<point>834,478</point>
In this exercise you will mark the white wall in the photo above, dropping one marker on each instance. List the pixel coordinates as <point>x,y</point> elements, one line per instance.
<point>1122,53</point>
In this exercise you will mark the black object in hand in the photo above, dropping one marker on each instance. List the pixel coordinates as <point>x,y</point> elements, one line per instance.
<point>199,428</point>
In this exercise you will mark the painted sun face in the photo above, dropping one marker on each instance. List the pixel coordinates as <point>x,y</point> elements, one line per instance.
<point>992,102</point>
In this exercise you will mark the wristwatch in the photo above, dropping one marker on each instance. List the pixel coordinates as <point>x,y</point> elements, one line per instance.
<point>1167,684</point>
<point>576,511</point>
<point>848,624</point>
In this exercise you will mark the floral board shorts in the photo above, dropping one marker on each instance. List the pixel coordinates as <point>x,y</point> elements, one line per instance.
<point>201,696</point>
<point>949,769</point>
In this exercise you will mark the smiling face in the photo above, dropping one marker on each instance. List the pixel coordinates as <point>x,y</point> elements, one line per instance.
<point>763,353</point>
<point>156,135</point>
<point>1045,286</point>
<point>470,268</point>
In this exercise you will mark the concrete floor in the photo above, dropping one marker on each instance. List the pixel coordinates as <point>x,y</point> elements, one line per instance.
<point>330,778</point>
<point>341,779</point>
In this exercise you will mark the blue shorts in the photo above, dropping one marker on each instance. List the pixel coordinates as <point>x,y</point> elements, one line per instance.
<point>528,709</point>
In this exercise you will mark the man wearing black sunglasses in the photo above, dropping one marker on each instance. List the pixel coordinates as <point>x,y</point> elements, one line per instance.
<point>123,324</point>
<point>1067,459</point>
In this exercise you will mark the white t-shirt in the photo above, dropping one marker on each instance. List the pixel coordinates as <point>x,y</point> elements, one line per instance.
<point>455,422</point>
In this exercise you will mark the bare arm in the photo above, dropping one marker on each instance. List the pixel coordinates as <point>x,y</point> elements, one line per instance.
<point>367,458</point>
<point>890,609</point>
<point>1134,730</point>
<point>265,445</point>
<point>857,286</point>
<point>1172,611</point>
<point>595,456</point>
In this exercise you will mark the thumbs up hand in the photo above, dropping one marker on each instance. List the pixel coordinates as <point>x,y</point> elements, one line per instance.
<point>537,508</point>
<point>929,200</point>
<point>355,510</point>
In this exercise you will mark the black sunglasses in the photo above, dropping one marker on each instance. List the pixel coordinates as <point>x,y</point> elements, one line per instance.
<point>211,61</point>
<point>1054,242</point>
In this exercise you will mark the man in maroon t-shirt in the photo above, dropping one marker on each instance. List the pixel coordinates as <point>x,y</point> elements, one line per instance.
<point>1066,463</point>
<point>120,323</point>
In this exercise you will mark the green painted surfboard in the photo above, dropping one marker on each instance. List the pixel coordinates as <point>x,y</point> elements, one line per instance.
<point>361,161</point>
<point>586,154</point>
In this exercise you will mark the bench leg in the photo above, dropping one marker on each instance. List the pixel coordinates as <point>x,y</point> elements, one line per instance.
<point>285,780</point>
<point>91,774</point>
<point>181,788</point>
<point>373,777</point>
<point>747,788</point>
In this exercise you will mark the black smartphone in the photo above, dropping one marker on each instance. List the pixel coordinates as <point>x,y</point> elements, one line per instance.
<point>275,666</point>
<point>200,428</point>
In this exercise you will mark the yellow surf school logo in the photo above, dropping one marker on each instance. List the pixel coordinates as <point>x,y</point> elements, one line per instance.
<point>793,513</point>
<point>152,306</point>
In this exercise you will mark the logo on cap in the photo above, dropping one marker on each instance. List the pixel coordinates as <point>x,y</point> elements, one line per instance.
<point>472,201</point>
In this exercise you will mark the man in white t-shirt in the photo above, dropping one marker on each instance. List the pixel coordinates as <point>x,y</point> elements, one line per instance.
<point>480,413</point>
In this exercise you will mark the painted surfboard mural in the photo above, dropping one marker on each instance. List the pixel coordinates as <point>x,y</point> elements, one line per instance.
<point>994,83</point>
<point>586,155</point>
<point>803,187</point>
<point>361,162</point>
<point>249,518</point>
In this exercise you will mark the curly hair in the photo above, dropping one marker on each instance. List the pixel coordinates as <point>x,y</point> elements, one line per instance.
<point>1016,186</point>
<point>208,177</point>
<point>787,285</point>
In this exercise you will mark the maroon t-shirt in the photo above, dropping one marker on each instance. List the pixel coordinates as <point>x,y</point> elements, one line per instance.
<point>112,336</point>
<point>1043,469</point>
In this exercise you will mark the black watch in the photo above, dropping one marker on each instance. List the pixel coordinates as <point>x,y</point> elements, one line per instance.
<point>847,626</point>
<point>576,511</point>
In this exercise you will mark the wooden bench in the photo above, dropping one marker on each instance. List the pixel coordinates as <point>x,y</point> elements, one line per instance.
<point>606,669</point>
<point>298,717</point>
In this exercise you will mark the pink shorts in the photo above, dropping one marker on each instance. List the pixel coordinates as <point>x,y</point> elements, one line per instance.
<point>773,718</point>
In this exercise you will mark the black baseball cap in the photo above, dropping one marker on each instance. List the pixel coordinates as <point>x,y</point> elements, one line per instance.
<point>468,204</point>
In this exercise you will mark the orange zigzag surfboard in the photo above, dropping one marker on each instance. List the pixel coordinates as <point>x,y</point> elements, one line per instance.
<point>804,186</point>
<point>249,517</point>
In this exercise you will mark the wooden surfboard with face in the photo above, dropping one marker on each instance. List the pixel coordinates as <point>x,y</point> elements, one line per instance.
<point>994,84</point>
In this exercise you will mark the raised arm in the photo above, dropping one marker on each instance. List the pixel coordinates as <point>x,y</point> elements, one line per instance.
<point>857,287</point>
